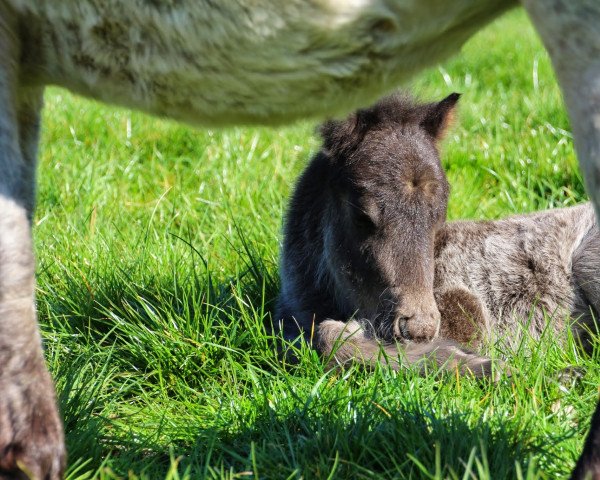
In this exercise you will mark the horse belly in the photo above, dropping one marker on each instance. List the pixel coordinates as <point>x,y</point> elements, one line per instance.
<point>245,61</point>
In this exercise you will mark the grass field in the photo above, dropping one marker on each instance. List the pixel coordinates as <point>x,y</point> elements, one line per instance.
<point>157,254</point>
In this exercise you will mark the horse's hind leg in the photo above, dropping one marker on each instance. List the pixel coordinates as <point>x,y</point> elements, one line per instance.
<point>586,280</point>
<point>31,437</point>
<point>569,30</point>
<point>588,465</point>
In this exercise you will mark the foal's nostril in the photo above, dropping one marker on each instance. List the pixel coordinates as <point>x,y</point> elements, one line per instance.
<point>401,327</point>
<point>420,327</point>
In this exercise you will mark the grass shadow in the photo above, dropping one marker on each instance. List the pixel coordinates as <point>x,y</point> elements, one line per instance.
<point>412,442</point>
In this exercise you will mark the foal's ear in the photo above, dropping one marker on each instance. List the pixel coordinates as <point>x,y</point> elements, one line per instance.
<point>333,132</point>
<point>340,136</point>
<point>439,116</point>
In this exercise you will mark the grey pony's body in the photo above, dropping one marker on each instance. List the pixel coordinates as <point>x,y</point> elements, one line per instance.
<point>494,277</point>
<point>213,63</point>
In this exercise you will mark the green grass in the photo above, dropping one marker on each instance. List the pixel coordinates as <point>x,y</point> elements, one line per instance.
<point>157,254</point>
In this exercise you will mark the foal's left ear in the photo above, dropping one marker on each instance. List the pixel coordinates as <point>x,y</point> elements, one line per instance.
<point>440,115</point>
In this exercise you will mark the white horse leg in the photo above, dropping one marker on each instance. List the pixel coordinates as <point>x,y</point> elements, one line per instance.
<point>31,437</point>
<point>570,30</point>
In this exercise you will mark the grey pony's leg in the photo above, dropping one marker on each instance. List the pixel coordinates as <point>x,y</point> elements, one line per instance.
<point>586,279</point>
<point>588,465</point>
<point>29,106</point>
<point>31,437</point>
<point>570,31</point>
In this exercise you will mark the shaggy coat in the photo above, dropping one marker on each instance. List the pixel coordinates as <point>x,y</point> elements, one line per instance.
<point>494,277</point>
<point>365,240</point>
<point>348,217</point>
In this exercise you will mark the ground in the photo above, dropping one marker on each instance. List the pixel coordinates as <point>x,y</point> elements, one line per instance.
<point>157,254</point>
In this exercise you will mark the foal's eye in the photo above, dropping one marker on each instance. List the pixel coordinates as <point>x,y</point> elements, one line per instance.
<point>364,222</point>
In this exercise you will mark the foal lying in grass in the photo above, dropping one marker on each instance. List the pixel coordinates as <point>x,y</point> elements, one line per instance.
<point>369,262</point>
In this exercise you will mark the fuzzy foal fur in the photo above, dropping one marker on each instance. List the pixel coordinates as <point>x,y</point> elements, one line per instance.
<point>346,240</point>
<point>371,269</point>
<point>366,238</point>
<point>263,61</point>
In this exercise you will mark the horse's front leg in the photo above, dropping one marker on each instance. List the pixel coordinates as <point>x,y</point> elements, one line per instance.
<point>570,30</point>
<point>31,436</point>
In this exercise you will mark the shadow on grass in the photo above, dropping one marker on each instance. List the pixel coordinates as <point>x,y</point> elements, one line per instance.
<point>407,443</point>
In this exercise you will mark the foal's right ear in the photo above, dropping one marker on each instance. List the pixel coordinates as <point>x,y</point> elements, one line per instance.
<point>439,116</point>
<point>340,136</point>
<point>331,132</point>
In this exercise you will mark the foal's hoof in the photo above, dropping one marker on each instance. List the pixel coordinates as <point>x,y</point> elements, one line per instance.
<point>570,376</point>
<point>31,434</point>
<point>484,368</point>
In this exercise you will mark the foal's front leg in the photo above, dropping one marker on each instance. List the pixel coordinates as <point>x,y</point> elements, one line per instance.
<point>348,342</point>
<point>31,436</point>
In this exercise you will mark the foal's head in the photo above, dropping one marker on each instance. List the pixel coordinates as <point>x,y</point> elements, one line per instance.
<point>388,197</point>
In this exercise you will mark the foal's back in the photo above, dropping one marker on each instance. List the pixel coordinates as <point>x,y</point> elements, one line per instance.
<point>521,270</point>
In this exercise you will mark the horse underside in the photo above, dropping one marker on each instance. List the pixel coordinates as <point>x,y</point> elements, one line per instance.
<point>227,63</point>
